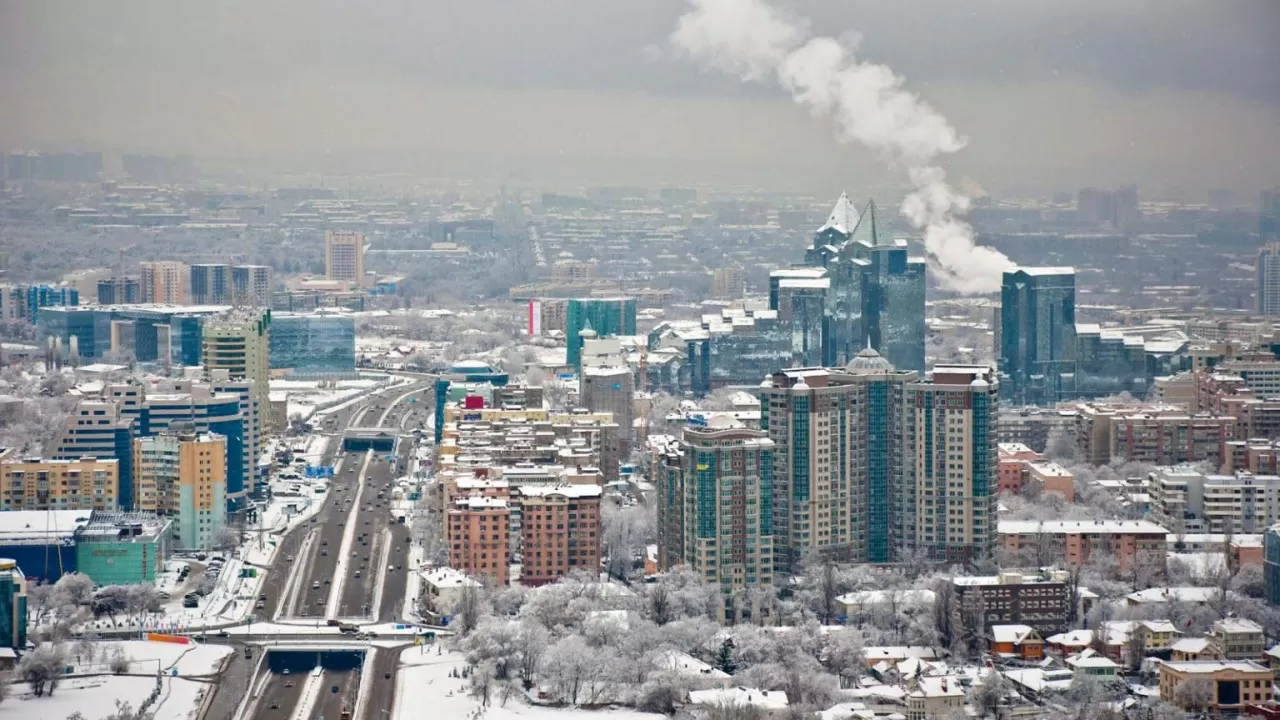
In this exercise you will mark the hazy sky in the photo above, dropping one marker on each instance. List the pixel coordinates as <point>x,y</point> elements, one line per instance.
<point>1050,93</point>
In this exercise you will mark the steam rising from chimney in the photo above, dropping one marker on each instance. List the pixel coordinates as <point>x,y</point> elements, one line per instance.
<point>753,40</point>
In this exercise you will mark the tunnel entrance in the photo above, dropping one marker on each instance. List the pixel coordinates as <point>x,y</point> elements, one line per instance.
<point>302,661</point>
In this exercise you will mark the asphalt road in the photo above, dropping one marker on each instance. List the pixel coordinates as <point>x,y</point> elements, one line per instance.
<point>322,538</point>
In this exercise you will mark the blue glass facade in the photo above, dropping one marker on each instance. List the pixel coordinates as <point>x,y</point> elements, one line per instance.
<point>42,296</point>
<point>313,344</point>
<point>1037,334</point>
<point>605,316</point>
<point>1271,563</point>
<point>152,328</point>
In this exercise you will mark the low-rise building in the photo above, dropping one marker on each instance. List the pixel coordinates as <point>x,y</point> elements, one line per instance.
<point>1040,599</point>
<point>1020,641</point>
<point>40,484</point>
<point>1238,638</point>
<point>1182,497</point>
<point>932,698</point>
<point>123,548</point>
<point>443,588</point>
<point>1136,545</point>
<point>1230,683</point>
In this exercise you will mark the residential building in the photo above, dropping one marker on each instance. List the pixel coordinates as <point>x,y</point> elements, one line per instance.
<point>184,478</point>
<point>1136,545</point>
<point>1013,458</point>
<point>163,281</point>
<point>1154,434</point>
<point>210,284</point>
<point>1033,426</point>
<point>478,534</point>
<point>1184,498</point>
<point>559,531</point>
<point>316,343</point>
<point>728,283</point>
<point>1036,338</point>
<point>1232,683</point>
<point>715,506</point>
<point>97,429</point>
<point>39,484</point>
<point>123,548</point>
<point>947,507</point>
<point>1050,477</point>
<point>344,256</point>
<point>119,290</point>
<point>251,286</point>
<point>603,316</point>
<point>837,459</point>
<point>1021,642</point>
<point>1041,599</point>
<point>1271,563</point>
<point>934,698</point>
<point>1238,638</point>
<point>13,605</point>
<point>443,589</point>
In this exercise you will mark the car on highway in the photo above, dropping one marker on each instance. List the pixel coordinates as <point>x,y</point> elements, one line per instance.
<point>357,573</point>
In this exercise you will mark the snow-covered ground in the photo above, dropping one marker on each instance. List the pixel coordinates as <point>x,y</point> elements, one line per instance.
<point>306,397</point>
<point>95,696</point>
<point>436,695</point>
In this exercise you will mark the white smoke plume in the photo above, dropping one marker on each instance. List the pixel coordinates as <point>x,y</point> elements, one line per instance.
<point>755,41</point>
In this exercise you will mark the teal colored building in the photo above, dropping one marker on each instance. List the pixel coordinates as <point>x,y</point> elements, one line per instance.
<point>605,316</point>
<point>13,605</point>
<point>123,548</point>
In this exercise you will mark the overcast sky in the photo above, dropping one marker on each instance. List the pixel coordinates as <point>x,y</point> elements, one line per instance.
<point>1050,93</point>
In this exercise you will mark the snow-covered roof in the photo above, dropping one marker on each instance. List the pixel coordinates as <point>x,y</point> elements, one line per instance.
<point>18,525</point>
<point>740,697</point>
<point>686,664</point>
<point>1015,634</point>
<point>898,598</point>
<point>447,577</point>
<point>1193,646</point>
<point>1079,527</point>
<point>843,217</point>
<point>935,687</point>
<point>1189,594</point>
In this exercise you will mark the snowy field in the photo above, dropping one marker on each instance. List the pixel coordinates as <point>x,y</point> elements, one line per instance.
<point>435,695</point>
<point>95,696</point>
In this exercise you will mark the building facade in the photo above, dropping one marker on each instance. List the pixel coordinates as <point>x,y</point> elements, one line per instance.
<point>163,281</point>
<point>183,477</point>
<point>123,548</point>
<point>1036,339</point>
<point>478,534</point>
<point>344,256</point>
<point>715,505</point>
<point>251,286</point>
<point>13,605</point>
<point>39,484</point>
<point>319,343</point>
<point>210,284</point>
<point>604,316</point>
<point>559,532</point>
<point>1267,279</point>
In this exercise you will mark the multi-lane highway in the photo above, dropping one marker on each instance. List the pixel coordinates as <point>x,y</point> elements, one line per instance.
<point>350,563</point>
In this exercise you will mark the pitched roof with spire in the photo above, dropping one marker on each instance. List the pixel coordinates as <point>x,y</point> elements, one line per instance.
<point>843,218</point>
<point>867,230</point>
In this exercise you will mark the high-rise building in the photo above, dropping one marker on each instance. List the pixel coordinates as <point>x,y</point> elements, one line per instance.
<point>210,285</point>
<point>559,531</point>
<point>99,429</point>
<point>1037,334</point>
<point>236,348</point>
<point>728,283</point>
<point>802,307</point>
<point>39,484</point>
<point>478,532</point>
<point>118,291</point>
<point>1269,223</point>
<point>611,389</point>
<point>947,508</point>
<point>251,285</point>
<point>715,506</point>
<point>344,256</point>
<point>321,343</point>
<point>603,316</point>
<point>1267,280</point>
<point>837,459</point>
<point>184,477</point>
<point>163,281</point>
<point>13,605</point>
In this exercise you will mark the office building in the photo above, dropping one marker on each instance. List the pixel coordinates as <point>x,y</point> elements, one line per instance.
<point>802,307</point>
<point>1269,217</point>
<point>559,531</point>
<point>251,286</point>
<point>1036,339</point>
<point>344,256</point>
<point>13,605</point>
<point>39,484</point>
<point>611,389</point>
<point>236,349</point>
<point>478,534</point>
<point>42,542</point>
<point>1231,684</point>
<point>210,285</point>
<point>837,457</point>
<point>715,506</point>
<point>1267,280</point>
<point>1271,563</point>
<point>123,548</point>
<point>318,343</point>
<point>184,478</point>
<point>602,316</point>
<point>24,302</point>
<point>97,429</point>
<point>119,291</point>
<point>947,508</point>
<point>163,281</point>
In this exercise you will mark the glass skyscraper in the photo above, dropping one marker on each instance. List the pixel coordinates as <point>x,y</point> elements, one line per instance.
<point>605,316</point>
<point>313,343</point>
<point>1037,334</point>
